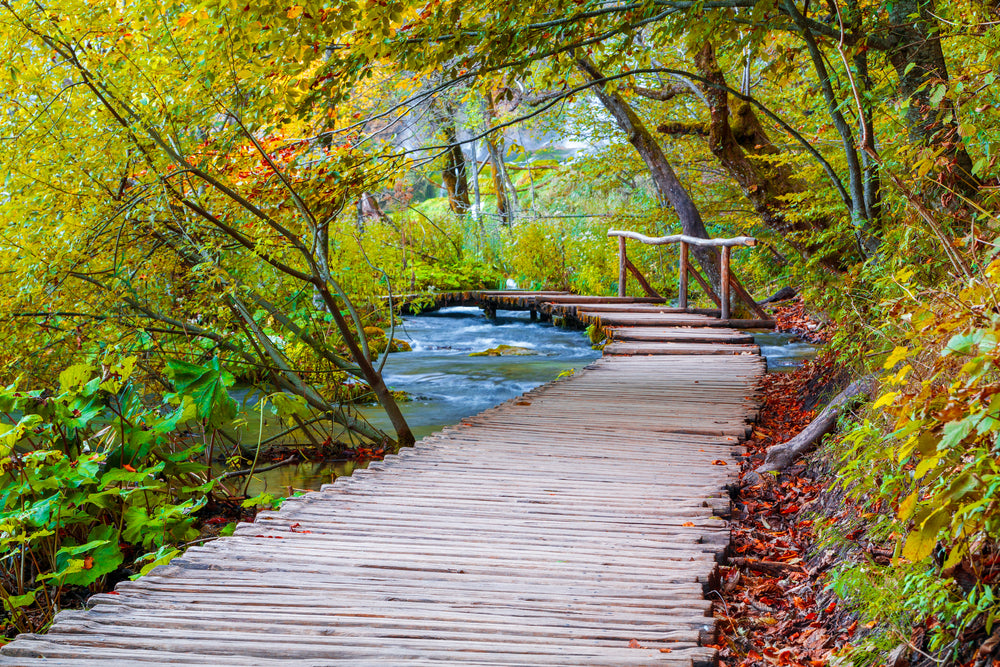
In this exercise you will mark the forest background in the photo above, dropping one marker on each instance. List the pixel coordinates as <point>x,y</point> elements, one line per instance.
<point>200,193</point>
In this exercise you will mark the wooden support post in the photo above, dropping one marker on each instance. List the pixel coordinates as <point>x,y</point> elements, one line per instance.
<point>622,272</point>
<point>682,287</point>
<point>724,279</point>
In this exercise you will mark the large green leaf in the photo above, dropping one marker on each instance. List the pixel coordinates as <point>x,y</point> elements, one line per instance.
<point>207,386</point>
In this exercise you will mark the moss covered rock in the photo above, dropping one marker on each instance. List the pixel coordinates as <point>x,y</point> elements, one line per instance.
<point>504,351</point>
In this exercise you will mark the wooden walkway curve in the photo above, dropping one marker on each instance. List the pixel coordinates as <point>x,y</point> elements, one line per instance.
<point>579,524</point>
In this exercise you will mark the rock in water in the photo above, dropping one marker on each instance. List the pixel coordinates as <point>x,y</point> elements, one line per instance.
<point>504,351</point>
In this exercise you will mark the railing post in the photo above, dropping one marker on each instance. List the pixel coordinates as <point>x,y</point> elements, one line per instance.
<point>682,287</point>
<point>622,273</point>
<point>724,279</point>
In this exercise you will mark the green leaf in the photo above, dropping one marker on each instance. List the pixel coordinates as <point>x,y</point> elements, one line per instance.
<point>956,432</point>
<point>17,601</point>
<point>75,377</point>
<point>962,343</point>
<point>161,556</point>
<point>102,556</point>
<point>208,388</point>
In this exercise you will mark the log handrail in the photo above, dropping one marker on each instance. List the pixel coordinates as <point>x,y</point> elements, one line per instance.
<point>681,238</point>
<point>727,277</point>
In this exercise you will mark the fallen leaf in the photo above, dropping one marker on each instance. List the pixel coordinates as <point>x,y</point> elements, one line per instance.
<point>719,462</point>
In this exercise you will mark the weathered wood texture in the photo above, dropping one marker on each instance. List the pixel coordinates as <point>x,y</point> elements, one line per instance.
<point>560,528</point>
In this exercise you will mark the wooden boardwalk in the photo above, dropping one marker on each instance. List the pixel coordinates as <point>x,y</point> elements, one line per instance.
<point>579,524</point>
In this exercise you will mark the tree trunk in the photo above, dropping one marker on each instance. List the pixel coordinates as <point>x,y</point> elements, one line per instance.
<point>499,182</point>
<point>736,141</point>
<point>506,205</point>
<point>668,186</point>
<point>860,216</point>
<point>453,175</point>
<point>920,65</point>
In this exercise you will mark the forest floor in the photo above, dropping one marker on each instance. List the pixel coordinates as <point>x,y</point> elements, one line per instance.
<point>773,599</point>
<point>772,603</point>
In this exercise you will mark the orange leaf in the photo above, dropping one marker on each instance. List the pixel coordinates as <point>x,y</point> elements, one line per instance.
<point>88,562</point>
<point>688,524</point>
<point>719,462</point>
<point>294,11</point>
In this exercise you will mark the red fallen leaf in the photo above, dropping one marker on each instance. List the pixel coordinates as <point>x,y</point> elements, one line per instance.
<point>791,509</point>
<point>128,468</point>
<point>830,607</point>
<point>297,525</point>
<point>666,650</point>
<point>851,628</point>
<point>113,593</point>
<point>271,537</point>
<point>634,643</point>
<point>687,524</point>
<point>799,603</point>
<point>719,462</point>
<point>88,562</point>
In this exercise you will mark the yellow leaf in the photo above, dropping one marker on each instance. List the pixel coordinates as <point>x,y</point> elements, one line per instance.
<point>294,12</point>
<point>75,377</point>
<point>920,543</point>
<point>906,507</point>
<point>924,467</point>
<point>885,399</point>
<point>896,356</point>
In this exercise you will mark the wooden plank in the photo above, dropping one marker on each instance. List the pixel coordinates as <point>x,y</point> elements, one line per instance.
<point>651,347</point>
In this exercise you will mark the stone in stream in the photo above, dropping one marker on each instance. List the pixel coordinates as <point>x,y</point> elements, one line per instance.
<point>504,351</point>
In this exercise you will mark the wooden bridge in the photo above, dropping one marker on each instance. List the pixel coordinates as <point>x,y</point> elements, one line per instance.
<point>579,524</point>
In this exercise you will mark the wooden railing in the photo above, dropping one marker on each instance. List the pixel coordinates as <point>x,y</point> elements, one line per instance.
<point>727,279</point>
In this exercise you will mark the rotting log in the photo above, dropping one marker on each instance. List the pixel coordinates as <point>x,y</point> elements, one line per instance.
<point>781,456</point>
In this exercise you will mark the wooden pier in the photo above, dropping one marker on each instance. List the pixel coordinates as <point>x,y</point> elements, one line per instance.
<point>579,524</point>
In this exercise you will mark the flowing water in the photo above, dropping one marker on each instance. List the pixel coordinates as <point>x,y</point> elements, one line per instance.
<point>784,352</point>
<point>446,384</point>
